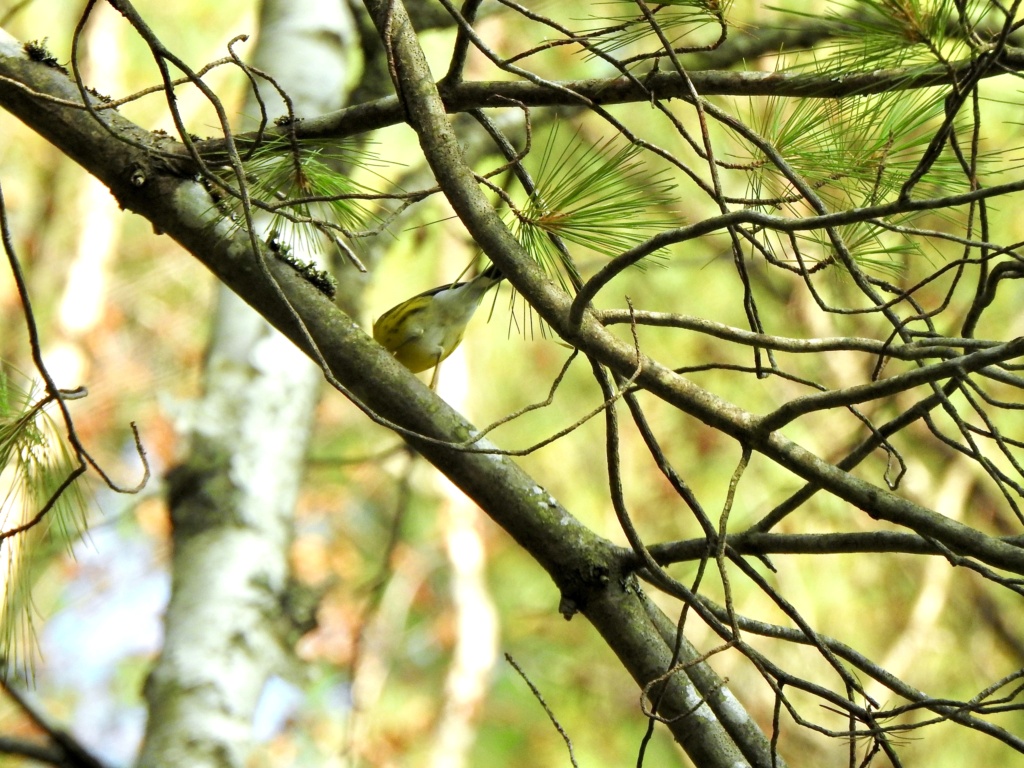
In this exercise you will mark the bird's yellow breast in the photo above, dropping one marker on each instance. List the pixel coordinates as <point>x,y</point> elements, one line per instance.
<point>424,330</point>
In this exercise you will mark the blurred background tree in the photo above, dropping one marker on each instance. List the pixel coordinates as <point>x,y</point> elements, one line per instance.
<point>752,371</point>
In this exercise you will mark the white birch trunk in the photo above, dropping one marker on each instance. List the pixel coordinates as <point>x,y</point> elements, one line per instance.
<point>232,501</point>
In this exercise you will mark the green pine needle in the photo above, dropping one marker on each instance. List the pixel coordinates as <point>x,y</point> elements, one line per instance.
<point>309,186</point>
<point>598,197</point>
<point>877,251</point>
<point>856,151</point>
<point>35,461</point>
<point>878,34</point>
<point>678,19</point>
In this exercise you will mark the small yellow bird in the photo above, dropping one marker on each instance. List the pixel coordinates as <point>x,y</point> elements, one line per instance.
<point>424,330</point>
